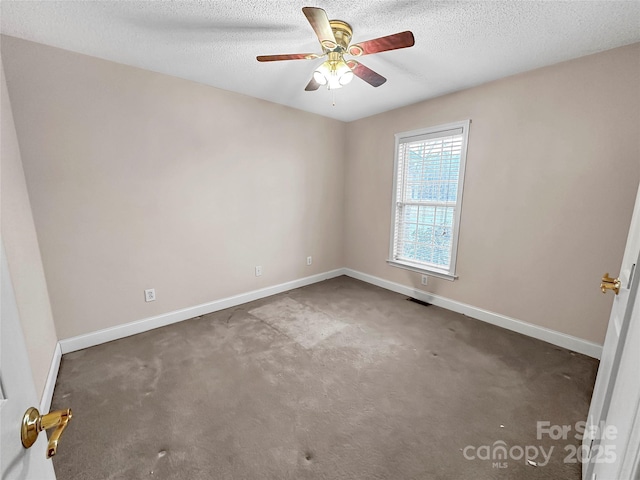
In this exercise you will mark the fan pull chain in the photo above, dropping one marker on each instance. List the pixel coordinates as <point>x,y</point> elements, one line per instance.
<point>333,98</point>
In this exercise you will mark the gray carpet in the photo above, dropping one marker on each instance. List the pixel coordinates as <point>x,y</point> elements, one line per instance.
<point>337,380</point>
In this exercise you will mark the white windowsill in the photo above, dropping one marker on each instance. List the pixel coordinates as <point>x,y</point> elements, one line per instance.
<point>421,269</point>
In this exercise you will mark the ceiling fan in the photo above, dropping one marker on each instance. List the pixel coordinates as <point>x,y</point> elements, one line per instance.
<point>335,37</point>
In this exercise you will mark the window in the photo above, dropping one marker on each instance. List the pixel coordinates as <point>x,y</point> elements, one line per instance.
<point>428,178</point>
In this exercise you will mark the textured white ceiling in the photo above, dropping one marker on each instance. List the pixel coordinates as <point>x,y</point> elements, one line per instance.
<point>458,44</point>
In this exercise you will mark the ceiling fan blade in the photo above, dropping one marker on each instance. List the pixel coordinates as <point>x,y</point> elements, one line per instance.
<point>290,56</point>
<point>382,44</point>
<point>320,23</point>
<point>365,73</point>
<point>312,85</point>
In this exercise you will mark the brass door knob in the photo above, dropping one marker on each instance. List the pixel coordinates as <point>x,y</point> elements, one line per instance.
<point>33,423</point>
<point>609,283</point>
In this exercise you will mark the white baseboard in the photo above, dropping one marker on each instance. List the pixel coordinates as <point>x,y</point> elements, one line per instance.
<point>551,336</point>
<point>120,331</point>
<point>47,393</point>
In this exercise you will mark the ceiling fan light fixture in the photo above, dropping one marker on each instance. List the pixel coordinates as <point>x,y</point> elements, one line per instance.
<point>334,73</point>
<point>345,75</point>
<point>319,76</point>
<point>346,78</point>
<point>334,82</point>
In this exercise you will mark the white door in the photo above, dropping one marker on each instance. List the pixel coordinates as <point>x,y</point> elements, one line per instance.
<point>609,378</point>
<point>17,393</point>
<point>620,444</point>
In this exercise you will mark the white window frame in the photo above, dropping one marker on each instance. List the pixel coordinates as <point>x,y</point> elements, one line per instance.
<point>448,274</point>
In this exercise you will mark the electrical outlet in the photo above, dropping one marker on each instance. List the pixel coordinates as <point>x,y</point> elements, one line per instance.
<point>150,295</point>
<point>424,279</point>
<point>258,271</point>
<point>309,260</point>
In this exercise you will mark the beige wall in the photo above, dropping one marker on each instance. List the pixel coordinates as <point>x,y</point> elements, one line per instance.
<point>552,171</point>
<point>140,180</point>
<point>23,254</point>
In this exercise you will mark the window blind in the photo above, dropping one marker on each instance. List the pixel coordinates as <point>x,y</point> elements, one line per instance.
<point>428,174</point>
